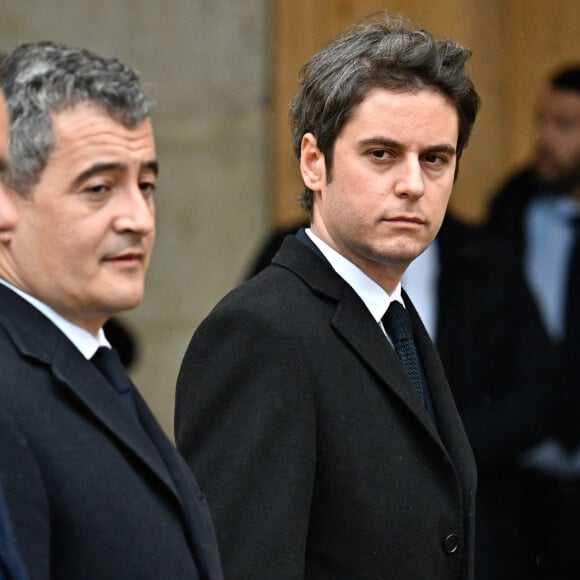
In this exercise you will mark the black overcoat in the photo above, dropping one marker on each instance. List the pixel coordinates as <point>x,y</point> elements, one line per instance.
<point>92,493</point>
<point>318,459</point>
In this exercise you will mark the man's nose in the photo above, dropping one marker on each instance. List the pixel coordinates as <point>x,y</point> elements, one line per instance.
<point>409,178</point>
<point>136,211</point>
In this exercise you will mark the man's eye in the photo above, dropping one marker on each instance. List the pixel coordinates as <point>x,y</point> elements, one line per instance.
<point>564,125</point>
<point>380,154</point>
<point>148,187</point>
<point>97,189</point>
<point>435,159</point>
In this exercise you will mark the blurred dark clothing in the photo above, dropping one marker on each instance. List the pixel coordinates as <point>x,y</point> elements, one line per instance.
<point>499,363</point>
<point>507,208</point>
<point>495,351</point>
<point>122,340</point>
<point>507,220</point>
<point>270,246</point>
<point>552,497</point>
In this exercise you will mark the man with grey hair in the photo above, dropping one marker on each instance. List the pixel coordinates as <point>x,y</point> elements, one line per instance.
<point>311,402</point>
<point>103,493</point>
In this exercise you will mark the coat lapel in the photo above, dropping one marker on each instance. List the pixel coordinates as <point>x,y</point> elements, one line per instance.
<point>201,535</point>
<point>86,383</point>
<point>37,338</point>
<point>451,427</point>
<point>355,324</point>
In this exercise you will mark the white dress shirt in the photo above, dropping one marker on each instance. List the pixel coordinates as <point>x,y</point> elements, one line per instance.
<point>374,297</point>
<point>84,341</point>
<point>549,238</point>
<point>420,282</point>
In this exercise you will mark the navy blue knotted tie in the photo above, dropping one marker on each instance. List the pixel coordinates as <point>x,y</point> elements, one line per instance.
<point>111,367</point>
<point>397,323</point>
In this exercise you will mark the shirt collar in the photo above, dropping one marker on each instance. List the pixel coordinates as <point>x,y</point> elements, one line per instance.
<point>374,297</point>
<point>81,338</point>
<point>562,206</point>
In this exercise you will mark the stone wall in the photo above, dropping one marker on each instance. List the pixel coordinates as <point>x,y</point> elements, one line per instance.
<point>206,64</point>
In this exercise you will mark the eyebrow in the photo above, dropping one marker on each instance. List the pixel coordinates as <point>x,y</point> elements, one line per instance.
<point>99,168</point>
<point>383,142</point>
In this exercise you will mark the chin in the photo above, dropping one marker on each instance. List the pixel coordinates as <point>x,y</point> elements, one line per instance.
<point>406,253</point>
<point>126,301</point>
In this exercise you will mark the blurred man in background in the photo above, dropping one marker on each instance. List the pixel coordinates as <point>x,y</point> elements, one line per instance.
<point>538,213</point>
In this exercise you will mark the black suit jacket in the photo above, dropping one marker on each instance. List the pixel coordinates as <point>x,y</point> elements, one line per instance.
<point>97,494</point>
<point>11,563</point>
<point>318,459</point>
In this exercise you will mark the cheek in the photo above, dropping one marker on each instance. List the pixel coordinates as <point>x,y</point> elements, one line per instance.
<point>442,188</point>
<point>149,239</point>
<point>360,188</point>
<point>439,206</point>
<point>438,200</point>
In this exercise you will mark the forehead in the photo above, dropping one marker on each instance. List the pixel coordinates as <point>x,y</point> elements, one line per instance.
<point>425,111</point>
<point>560,102</point>
<point>87,129</point>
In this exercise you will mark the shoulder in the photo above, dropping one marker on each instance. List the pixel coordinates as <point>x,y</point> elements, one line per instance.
<point>267,308</point>
<point>509,202</point>
<point>297,283</point>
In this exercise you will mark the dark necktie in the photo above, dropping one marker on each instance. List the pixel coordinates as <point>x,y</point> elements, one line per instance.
<point>572,331</point>
<point>111,367</point>
<point>397,323</point>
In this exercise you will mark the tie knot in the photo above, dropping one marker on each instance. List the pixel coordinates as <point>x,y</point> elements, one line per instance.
<point>397,322</point>
<point>110,365</point>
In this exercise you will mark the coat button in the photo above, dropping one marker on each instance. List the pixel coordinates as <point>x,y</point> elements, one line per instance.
<point>451,543</point>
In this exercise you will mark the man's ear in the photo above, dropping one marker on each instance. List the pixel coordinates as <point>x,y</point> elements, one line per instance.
<point>8,213</point>
<point>312,165</point>
<point>6,234</point>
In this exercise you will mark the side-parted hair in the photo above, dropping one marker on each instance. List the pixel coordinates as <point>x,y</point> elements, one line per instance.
<point>44,78</point>
<point>381,52</point>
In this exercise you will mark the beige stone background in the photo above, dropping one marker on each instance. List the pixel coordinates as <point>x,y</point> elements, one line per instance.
<point>205,62</point>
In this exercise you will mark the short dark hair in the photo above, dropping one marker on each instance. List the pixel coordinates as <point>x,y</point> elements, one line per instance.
<point>41,79</point>
<point>567,79</point>
<point>380,52</point>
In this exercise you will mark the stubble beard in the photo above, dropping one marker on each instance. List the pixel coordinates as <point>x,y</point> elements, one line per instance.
<point>564,180</point>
